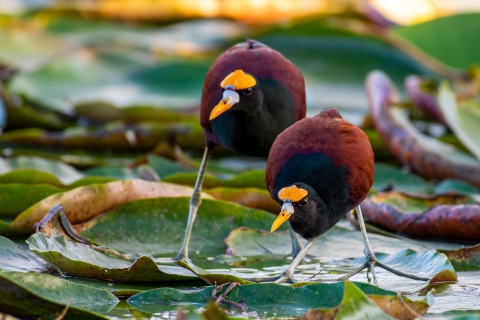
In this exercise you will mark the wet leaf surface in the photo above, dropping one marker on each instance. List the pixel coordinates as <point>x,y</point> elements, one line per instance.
<point>43,294</point>
<point>15,258</point>
<point>390,177</point>
<point>447,216</point>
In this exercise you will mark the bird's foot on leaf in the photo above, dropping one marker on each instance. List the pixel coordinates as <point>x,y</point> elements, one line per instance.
<point>371,262</point>
<point>221,298</point>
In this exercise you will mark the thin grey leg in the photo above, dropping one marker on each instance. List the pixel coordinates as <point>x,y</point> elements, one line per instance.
<point>194,204</point>
<point>296,244</point>
<point>371,260</point>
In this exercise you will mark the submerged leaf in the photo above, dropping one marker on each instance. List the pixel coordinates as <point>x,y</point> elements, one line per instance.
<point>447,216</point>
<point>43,295</point>
<point>425,155</point>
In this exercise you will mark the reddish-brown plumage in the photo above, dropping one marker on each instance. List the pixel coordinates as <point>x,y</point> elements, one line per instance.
<point>262,62</point>
<point>330,135</point>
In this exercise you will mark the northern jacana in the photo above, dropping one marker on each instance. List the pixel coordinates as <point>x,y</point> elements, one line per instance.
<point>250,95</point>
<point>318,170</point>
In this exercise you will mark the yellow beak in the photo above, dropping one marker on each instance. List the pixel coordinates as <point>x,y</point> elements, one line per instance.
<point>287,211</point>
<point>230,97</point>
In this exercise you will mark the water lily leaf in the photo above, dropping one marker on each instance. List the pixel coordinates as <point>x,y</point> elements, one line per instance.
<point>156,226</point>
<point>462,118</point>
<point>15,258</point>
<point>425,155</point>
<point>270,299</point>
<point>452,185</point>
<point>86,202</point>
<point>335,257</point>
<point>30,176</point>
<point>116,135</point>
<point>390,177</point>
<point>442,37</point>
<point>447,216</point>
<point>464,259</point>
<point>42,295</point>
<point>15,198</point>
<point>164,167</point>
<point>249,197</point>
<point>64,172</point>
<point>81,260</point>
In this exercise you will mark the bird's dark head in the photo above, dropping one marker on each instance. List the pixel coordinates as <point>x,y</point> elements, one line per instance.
<point>304,209</point>
<point>241,92</point>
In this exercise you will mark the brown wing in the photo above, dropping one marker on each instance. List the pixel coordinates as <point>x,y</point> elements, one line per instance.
<point>259,60</point>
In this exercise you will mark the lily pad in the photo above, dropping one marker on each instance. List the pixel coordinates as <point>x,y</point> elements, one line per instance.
<point>447,216</point>
<point>43,295</point>
<point>15,198</point>
<point>77,259</point>
<point>65,173</point>
<point>425,155</point>
<point>463,118</point>
<point>443,37</point>
<point>15,258</point>
<point>270,299</point>
<point>156,226</point>
<point>390,177</point>
<point>84,203</point>
<point>248,179</point>
<point>464,259</point>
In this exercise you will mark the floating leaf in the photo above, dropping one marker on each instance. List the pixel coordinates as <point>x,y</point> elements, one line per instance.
<point>425,101</point>
<point>43,295</point>
<point>248,179</point>
<point>65,173</point>
<point>212,278</point>
<point>15,258</point>
<point>156,226</point>
<point>447,216</point>
<point>270,299</point>
<point>77,259</point>
<point>463,118</point>
<point>84,203</point>
<point>425,155</point>
<point>15,198</point>
<point>441,38</point>
<point>117,136</point>
<point>390,177</point>
<point>452,185</point>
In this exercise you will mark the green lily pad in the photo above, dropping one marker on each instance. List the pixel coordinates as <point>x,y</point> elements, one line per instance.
<point>65,173</point>
<point>42,295</point>
<point>77,259</point>
<point>164,167</point>
<point>156,226</point>
<point>116,135</point>
<point>452,185</point>
<point>387,176</point>
<point>30,176</point>
<point>15,198</point>
<point>15,258</point>
<point>462,118</point>
<point>211,278</point>
<point>443,37</point>
<point>270,299</point>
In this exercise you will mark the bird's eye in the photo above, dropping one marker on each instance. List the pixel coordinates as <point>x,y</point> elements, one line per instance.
<point>303,202</point>
<point>247,91</point>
